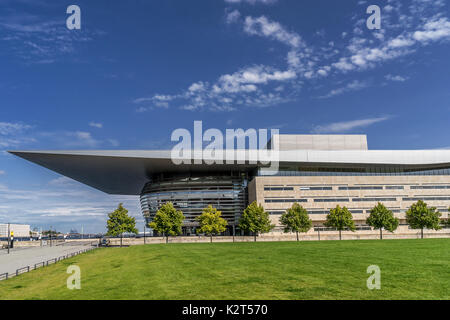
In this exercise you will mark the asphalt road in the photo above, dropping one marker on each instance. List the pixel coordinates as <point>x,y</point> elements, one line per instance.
<point>22,257</point>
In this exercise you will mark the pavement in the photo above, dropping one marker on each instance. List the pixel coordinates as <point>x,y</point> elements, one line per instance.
<point>22,257</point>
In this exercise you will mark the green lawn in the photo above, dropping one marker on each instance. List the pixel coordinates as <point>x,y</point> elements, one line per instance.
<point>410,269</point>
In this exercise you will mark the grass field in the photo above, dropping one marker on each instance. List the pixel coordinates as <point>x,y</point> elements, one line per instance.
<point>410,269</point>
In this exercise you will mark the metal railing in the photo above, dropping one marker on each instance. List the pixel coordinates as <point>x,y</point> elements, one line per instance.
<point>6,275</point>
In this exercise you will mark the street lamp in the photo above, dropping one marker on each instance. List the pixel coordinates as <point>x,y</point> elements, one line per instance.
<point>9,237</point>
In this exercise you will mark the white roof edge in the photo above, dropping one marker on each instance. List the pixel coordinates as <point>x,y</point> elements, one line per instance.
<point>394,157</point>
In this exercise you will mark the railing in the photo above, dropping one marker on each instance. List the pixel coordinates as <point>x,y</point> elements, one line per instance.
<point>6,275</point>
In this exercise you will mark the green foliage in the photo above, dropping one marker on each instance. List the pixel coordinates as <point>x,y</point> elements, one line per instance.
<point>119,222</point>
<point>420,216</point>
<point>255,219</point>
<point>49,232</point>
<point>168,220</point>
<point>296,219</point>
<point>381,217</point>
<point>211,221</point>
<point>341,219</point>
<point>448,219</point>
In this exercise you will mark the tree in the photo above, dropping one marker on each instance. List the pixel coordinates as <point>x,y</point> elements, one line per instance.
<point>448,218</point>
<point>119,222</point>
<point>340,219</point>
<point>381,217</point>
<point>167,221</point>
<point>296,220</point>
<point>255,219</point>
<point>211,221</point>
<point>420,216</point>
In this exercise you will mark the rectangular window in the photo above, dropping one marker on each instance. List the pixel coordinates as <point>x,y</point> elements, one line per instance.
<point>362,188</point>
<point>373,199</point>
<point>278,189</point>
<point>284,200</point>
<point>316,188</point>
<point>429,187</point>
<point>427,199</point>
<point>332,200</point>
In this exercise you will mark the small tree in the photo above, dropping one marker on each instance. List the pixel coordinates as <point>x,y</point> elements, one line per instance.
<point>255,219</point>
<point>448,218</point>
<point>381,217</point>
<point>296,220</point>
<point>340,219</point>
<point>168,221</point>
<point>420,216</point>
<point>119,222</point>
<point>211,222</point>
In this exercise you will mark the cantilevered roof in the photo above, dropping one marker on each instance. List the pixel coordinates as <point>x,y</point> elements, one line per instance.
<point>126,171</point>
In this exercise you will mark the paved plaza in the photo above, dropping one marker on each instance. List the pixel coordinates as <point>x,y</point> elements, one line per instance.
<point>22,257</point>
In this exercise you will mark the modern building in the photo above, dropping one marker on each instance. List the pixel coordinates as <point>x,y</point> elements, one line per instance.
<point>19,230</point>
<point>317,171</point>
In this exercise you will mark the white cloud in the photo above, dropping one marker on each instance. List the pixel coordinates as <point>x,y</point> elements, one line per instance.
<point>397,78</point>
<point>10,128</point>
<point>232,16</point>
<point>65,204</point>
<point>406,28</point>
<point>355,85</point>
<point>345,126</point>
<point>96,125</point>
<point>434,30</point>
<point>264,27</point>
<point>37,40</point>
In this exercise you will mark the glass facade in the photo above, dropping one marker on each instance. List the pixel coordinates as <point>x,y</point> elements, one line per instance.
<point>192,193</point>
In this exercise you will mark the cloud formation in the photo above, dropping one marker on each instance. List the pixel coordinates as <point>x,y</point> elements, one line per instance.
<point>406,28</point>
<point>346,126</point>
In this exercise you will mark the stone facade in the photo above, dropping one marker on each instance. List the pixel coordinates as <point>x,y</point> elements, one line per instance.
<point>318,194</point>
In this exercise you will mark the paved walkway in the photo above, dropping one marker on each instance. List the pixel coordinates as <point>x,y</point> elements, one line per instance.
<point>22,257</point>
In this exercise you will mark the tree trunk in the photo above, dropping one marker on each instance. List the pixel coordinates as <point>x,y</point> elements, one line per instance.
<point>297,235</point>
<point>255,236</point>
<point>121,235</point>
<point>167,238</point>
<point>210,237</point>
<point>318,233</point>
<point>340,235</point>
<point>421,232</point>
<point>381,234</point>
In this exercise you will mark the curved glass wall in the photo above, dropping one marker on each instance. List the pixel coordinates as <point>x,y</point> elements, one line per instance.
<point>191,194</point>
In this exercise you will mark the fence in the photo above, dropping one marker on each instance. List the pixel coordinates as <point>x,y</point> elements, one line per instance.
<point>6,275</point>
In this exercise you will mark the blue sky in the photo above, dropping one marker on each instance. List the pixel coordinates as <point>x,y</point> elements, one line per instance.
<point>137,70</point>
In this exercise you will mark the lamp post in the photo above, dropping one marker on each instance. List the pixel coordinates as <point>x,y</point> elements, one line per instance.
<point>9,237</point>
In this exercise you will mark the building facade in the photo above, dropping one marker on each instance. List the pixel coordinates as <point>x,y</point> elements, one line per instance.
<point>19,230</point>
<point>317,171</point>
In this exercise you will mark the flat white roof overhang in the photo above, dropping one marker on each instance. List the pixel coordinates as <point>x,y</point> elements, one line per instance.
<point>126,171</point>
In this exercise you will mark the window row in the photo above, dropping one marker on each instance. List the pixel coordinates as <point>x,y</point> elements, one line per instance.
<point>285,200</point>
<point>427,199</point>
<point>429,187</point>
<point>357,199</point>
<point>343,188</point>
